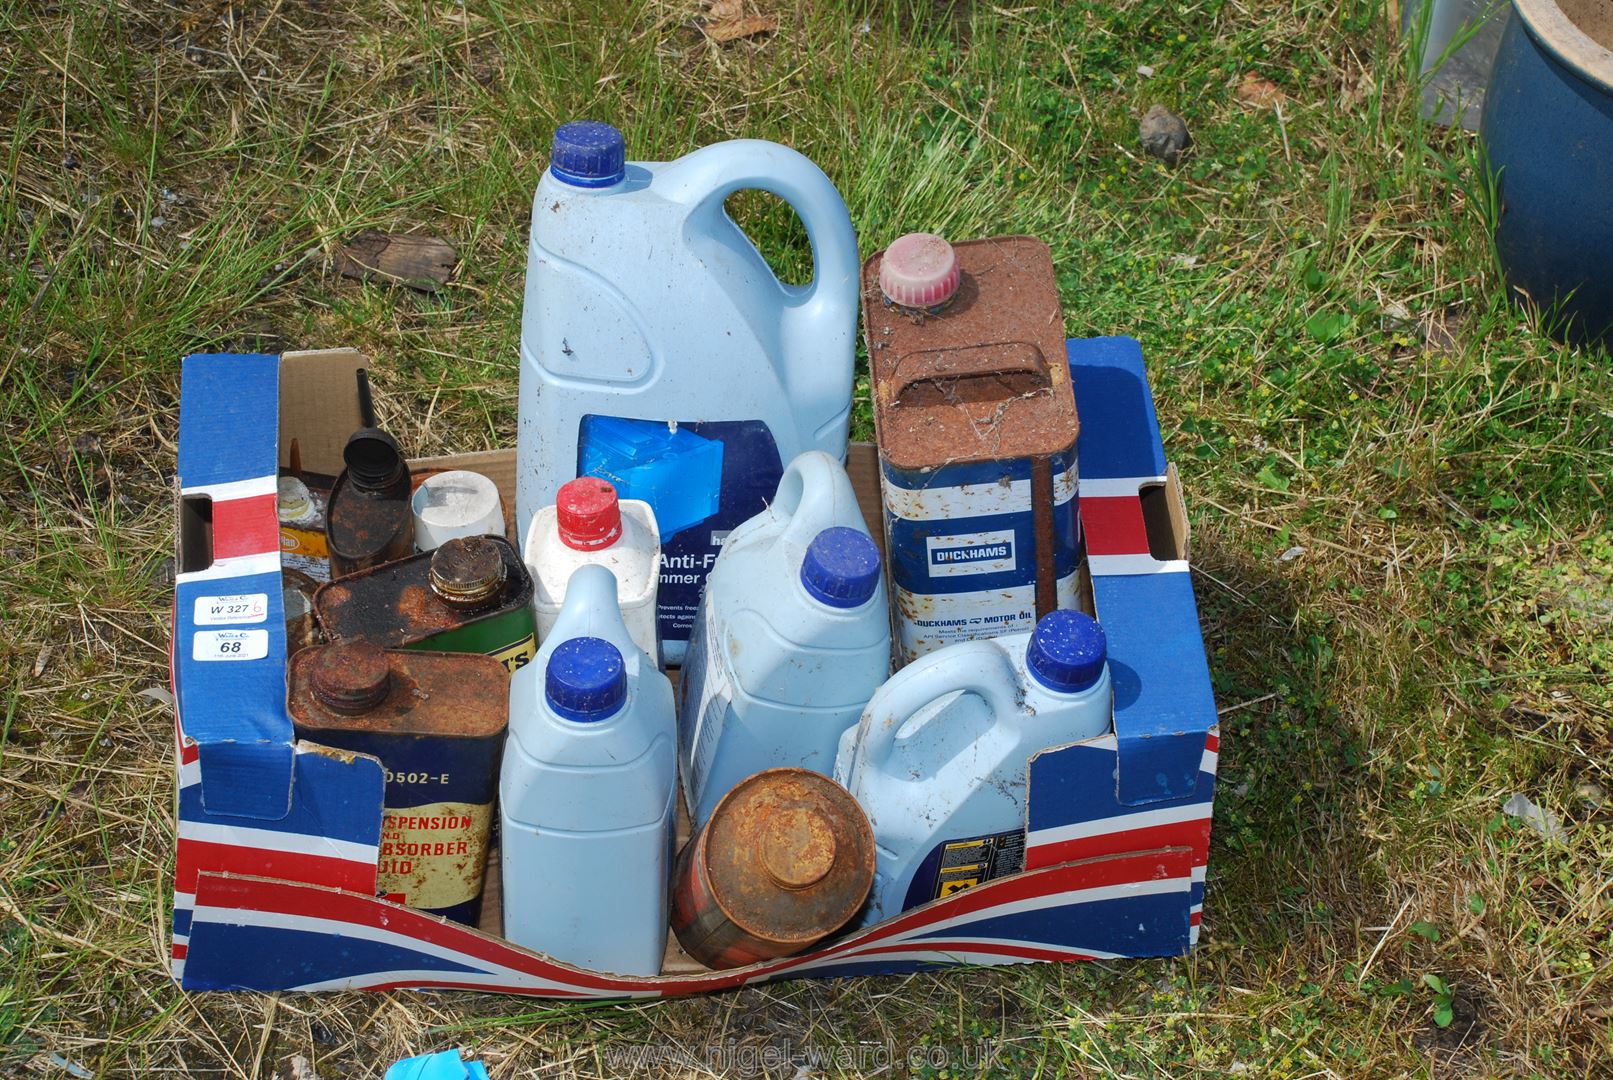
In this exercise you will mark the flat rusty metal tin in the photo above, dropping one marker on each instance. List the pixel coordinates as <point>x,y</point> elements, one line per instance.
<point>409,605</point>
<point>436,721</point>
<point>976,426</point>
<point>786,860</point>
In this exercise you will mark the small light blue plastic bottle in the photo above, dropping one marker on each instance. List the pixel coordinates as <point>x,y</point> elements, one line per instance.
<point>939,758</point>
<point>792,638</point>
<point>588,790</point>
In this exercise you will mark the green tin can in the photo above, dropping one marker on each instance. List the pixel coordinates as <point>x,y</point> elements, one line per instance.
<point>471,595</point>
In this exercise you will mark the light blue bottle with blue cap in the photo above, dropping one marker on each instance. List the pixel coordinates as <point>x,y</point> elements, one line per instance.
<point>588,791</point>
<point>940,756</point>
<point>792,639</point>
<point>660,352</point>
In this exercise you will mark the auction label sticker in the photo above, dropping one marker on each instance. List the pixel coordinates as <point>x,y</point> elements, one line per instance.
<point>229,610</point>
<point>230,645</point>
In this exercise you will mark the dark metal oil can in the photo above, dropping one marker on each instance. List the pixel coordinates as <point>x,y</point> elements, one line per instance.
<point>473,594</point>
<point>368,520</point>
<point>976,425</point>
<point>786,859</point>
<point>436,721</point>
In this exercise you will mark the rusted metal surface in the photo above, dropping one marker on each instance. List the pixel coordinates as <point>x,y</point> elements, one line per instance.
<point>786,860</point>
<point>368,521</point>
<point>986,378</point>
<point>976,425</point>
<point>297,598</point>
<point>467,573</point>
<point>417,598</point>
<point>436,721</point>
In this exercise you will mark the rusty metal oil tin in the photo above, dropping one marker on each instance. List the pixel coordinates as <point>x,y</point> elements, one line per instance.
<point>436,721</point>
<point>369,520</point>
<point>473,594</point>
<point>297,597</point>
<point>976,425</point>
<point>786,860</point>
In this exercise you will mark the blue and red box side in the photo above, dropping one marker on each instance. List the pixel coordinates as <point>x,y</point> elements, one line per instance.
<point>275,874</point>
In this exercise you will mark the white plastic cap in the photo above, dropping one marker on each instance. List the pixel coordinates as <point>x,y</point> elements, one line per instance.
<point>453,504</point>
<point>919,270</point>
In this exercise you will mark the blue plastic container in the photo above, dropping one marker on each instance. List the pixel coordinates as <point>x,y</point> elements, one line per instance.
<point>1548,130</point>
<point>659,351</point>
<point>588,791</point>
<point>940,757</point>
<point>793,638</point>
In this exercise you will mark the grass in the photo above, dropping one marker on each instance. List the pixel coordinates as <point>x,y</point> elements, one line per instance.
<point>1398,490</point>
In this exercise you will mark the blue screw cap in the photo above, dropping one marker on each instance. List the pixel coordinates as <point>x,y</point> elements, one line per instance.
<point>588,153</point>
<point>841,567</point>
<point>586,680</point>
<point>1067,651</point>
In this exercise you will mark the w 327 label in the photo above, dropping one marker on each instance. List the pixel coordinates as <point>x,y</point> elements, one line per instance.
<point>229,610</point>
<point>229,645</point>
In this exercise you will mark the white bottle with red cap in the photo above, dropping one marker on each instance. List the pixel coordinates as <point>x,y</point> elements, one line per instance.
<point>589,526</point>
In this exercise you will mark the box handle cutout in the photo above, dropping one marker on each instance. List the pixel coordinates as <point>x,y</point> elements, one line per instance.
<point>1165,538</point>
<point>195,533</point>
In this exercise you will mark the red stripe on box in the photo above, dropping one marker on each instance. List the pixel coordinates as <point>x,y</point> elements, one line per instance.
<point>202,857</point>
<point>249,526</point>
<point>1186,834</point>
<point>1114,525</point>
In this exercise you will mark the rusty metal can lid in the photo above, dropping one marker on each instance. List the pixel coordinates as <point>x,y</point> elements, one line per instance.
<point>467,570</point>
<point>351,678</point>
<point>919,270</point>
<point>789,855</point>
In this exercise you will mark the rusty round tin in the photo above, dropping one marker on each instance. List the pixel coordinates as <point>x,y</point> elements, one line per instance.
<point>786,859</point>
<point>467,571</point>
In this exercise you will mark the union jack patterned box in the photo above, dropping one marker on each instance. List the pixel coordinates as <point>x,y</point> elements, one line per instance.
<point>278,840</point>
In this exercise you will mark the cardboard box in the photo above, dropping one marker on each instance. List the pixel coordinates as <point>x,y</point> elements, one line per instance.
<point>278,839</point>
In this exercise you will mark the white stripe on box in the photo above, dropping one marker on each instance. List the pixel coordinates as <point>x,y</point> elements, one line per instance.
<point>267,562</point>
<point>1131,565</point>
<point>1198,873</point>
<point>971,500</point>
<point>1146,819</point>
<point>208,832</point>
<point>230,490</point>
<point>1210,761</point>
<point>1104,487</point>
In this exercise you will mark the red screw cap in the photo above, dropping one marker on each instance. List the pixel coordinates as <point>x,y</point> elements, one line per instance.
<point>919,270</point>
<point>588,514</point>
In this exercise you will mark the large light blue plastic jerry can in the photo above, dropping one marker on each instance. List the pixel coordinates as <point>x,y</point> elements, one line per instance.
<point>658,350</point>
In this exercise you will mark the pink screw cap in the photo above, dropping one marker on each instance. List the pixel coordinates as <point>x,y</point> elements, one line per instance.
<point>919,270</point>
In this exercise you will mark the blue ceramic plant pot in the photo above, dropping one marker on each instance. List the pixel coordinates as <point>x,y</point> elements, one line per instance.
<point>1548,130</point>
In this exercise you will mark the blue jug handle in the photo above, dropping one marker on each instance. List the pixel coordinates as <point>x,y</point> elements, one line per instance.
<point>715,172</point>
<point>817,477</point>
<point>974,667</point>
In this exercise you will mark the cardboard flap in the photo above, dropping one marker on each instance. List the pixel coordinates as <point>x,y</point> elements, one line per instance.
<point>1135,535</point>
<point>229,654</point>
<point>330,836</point>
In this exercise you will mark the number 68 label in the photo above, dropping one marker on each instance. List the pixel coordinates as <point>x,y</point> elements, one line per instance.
<point>230,645</point>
